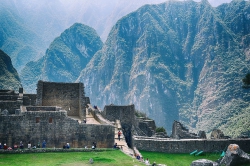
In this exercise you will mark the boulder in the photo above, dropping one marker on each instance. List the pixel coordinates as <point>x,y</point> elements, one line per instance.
<point>235,156</point>
<point>204,162</point>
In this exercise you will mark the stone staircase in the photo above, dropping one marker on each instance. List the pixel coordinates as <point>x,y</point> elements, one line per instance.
<point>122,144</point>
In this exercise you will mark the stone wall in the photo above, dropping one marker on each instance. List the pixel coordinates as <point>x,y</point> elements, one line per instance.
<point>11,106</point>
<point>42,108</point>
<point>126,115</point>
<point>55,127</point>
<point>12,101</point>
<point>187,145</point>
<point>29,99</point>
<point>144,126</point>
<point>69,96</point>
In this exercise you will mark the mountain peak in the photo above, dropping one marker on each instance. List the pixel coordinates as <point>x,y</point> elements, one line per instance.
<point>67,55</point>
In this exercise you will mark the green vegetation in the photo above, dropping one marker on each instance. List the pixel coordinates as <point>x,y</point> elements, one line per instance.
<point>63,61</point>
<point>246,81</point>
<point>140,114</point>
<point>185,62</point>
<point>160,129</point>
<point>104,158</point>
<point>176,159</point>
<point>8,74</point>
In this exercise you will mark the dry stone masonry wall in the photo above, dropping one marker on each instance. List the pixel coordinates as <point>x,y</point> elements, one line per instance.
<point>187,145</point>
<point>55,127</point>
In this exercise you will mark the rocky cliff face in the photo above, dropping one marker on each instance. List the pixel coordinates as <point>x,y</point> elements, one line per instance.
<point>176,60</point>
<point>67,55</point>
<point>9,78</point>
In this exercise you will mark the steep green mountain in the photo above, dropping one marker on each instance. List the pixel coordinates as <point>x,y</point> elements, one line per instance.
<point>17,40</point>
<point>67,55</point>
<point>176,60</point>
<point>9,78</point>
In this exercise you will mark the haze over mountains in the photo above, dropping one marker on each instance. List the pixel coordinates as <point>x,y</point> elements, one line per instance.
<point>66,57</point>
<point>174,61</point>
<point>28,27</point>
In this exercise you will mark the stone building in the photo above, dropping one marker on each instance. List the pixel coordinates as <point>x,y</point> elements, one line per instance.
<point>181,132</point>
<point>55,114</point>
<point>131,125</point>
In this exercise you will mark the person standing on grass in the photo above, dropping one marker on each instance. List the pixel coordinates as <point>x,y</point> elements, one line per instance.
<point>119,135</point>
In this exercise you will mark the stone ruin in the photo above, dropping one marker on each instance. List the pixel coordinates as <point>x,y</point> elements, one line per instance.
<point>131,125</point>
<point>57,114</point>
<point>217,134</point>
<point>181,132</point>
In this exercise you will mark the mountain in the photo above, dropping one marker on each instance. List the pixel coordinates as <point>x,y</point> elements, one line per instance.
<point>177,60</point>
<point>17,40</point>
<point>67,55</point>
<point>50,18</point>
<point>28,27</point>
<point>9,79</point>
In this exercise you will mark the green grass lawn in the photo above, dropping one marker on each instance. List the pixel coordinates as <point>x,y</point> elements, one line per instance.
<point>176,159</point>
<point>102,158</point>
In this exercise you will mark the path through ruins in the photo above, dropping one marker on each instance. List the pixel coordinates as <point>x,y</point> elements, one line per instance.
<point>122,144</point>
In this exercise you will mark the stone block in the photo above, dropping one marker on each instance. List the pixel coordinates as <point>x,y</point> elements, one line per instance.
<point>203,162</point>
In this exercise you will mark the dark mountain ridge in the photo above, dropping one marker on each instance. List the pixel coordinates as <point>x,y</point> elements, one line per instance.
<point>9,79</point>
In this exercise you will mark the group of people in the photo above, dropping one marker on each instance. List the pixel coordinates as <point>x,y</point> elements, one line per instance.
<point>4,146</point>
<point>147,162</point>
<point>21,146</point>
<point>67,146</point>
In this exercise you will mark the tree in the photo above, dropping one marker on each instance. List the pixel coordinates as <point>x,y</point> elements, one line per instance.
<point>160,129</point>
<point>246,81</point>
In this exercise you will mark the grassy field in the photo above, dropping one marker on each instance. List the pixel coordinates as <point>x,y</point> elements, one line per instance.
<point>104,158</point>
<point>176,159</point>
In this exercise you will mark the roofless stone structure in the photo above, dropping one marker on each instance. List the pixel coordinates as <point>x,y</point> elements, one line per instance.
<point>55,114</point>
